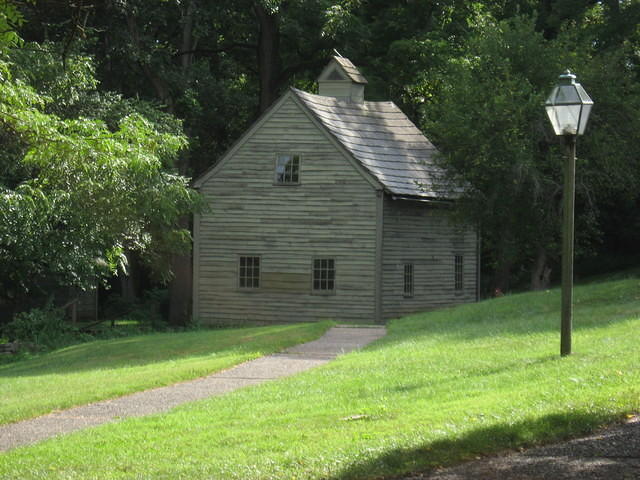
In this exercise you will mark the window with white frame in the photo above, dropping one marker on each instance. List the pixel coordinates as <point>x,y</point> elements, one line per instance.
<point>249,272</point>
<point>408,280</point>
<point>324,275</point>
<point>287,169</point>
<point>458,272</point>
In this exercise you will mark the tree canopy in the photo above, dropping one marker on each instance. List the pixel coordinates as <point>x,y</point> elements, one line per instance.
<point>84,177</point>
<point>96,98</point>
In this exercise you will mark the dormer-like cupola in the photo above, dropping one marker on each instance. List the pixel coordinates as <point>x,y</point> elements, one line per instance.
<point>342,80</point>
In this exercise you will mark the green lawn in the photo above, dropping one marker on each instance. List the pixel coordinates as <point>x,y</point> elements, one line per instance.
<point>441,387</point>
<point>103,369</point>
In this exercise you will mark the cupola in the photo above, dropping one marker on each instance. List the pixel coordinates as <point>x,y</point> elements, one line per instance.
<point>342,80</point>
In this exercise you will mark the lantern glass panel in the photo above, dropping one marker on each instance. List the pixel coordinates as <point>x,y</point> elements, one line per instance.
<point>566,94</point>
<point>564,118</point>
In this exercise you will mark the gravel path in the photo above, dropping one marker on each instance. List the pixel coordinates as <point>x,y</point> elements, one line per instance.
<point>611,454</point>
<point>337,340</point>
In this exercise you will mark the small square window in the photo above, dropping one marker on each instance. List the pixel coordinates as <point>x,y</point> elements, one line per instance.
<point>324,275</point>
<point>287,169</point>
<point>458,276</point>
<point>408,279</point>
<point>249,272</point>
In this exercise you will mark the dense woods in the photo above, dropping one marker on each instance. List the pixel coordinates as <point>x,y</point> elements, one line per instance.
<point>107,107</point>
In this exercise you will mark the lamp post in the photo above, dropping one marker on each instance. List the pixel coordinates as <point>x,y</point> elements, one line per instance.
<point>568,108</point>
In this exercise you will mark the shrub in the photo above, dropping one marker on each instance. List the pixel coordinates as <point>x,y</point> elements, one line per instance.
<point>41,327</point>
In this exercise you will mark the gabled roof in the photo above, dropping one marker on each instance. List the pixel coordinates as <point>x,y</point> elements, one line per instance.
<point>385,142</point>
<point>348,68</point>
<point>290,94</point>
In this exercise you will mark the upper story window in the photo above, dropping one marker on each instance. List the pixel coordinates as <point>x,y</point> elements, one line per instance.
<point>408,279</point>
<point>249,272</point>
<point>287,169</point>
<point>458,277</point>
<point>324,275</point>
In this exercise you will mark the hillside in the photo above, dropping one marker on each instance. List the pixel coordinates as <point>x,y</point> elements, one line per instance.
<point>441,387</point>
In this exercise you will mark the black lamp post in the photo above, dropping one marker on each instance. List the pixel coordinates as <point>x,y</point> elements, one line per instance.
<point>568,108</point>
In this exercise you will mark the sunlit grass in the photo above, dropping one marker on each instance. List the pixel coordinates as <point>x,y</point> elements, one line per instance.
<point>441,387</point>
<point>108,368</point>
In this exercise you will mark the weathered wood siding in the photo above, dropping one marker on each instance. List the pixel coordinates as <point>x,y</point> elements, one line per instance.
<point>330,214</point>
<point>422,235</point>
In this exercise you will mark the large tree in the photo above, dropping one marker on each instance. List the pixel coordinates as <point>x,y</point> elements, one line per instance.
<point>84,177</point>
<point>216,65</point>
<point>485,113</point>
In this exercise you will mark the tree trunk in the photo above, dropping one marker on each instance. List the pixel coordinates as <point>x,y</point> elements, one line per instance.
<point>159,85</point>
<point>180,288</point>
<point>541,272</point>
<point>187,37</point>
<point>504,264</point>
<point>269,63</point>
<point>129,280</point>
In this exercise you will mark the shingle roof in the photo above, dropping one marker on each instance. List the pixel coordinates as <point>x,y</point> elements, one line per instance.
<point>350,69</point>
<point>387,144</point>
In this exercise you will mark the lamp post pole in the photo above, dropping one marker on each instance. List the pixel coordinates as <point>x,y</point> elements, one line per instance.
<point>568,244</point>
<point>568,108</point>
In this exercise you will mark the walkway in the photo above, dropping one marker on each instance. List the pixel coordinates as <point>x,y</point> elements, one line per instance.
<point>337,340</point>
<point>611,454</point>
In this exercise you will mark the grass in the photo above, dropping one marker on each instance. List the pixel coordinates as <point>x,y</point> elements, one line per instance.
<point>440,388</point>
<point>104,369</point>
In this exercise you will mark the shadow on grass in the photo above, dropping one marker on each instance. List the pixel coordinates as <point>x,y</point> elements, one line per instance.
<point>398,464</point>
<point>148,349</point>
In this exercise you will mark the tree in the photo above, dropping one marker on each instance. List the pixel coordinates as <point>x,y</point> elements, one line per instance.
<point>217,65</point>
<point>203,61</point>
<point>75,194</point>
<point>486,115</point>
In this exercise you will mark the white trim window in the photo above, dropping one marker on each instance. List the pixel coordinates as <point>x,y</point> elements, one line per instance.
<point>249,272</point>
<point>287,169</point>
<point>324,275</point>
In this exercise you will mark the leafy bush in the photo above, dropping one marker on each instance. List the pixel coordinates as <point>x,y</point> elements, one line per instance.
<point>153,309</point>
<point>43,328</point>
<point>150,312</point>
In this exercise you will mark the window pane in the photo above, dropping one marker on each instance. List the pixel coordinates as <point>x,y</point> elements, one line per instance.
<point>249,272</point>
<point>458,273</point>
<point>324,274</point>
<point>287,169</point>
<point>408,279</point>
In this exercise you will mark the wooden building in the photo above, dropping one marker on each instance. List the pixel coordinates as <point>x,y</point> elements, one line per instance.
<point>329,207</point>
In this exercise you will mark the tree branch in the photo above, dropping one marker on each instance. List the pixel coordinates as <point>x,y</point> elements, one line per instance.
<point>214,51</point>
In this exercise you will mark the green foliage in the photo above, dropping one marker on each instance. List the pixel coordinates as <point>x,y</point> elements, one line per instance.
<point>149,312</point>
<point>478,71</point>
<point>88,192</point>
<point>485,113</point>
<point>485,116</point>
<point>41,328</point>
<point>10,20</point>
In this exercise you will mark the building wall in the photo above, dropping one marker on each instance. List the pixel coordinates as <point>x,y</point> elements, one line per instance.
<point>422,235</point>
<point>330,214</point>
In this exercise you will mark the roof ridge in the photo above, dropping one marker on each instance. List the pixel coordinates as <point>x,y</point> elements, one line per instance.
<point>343,102</point>
<point>357,128</point>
